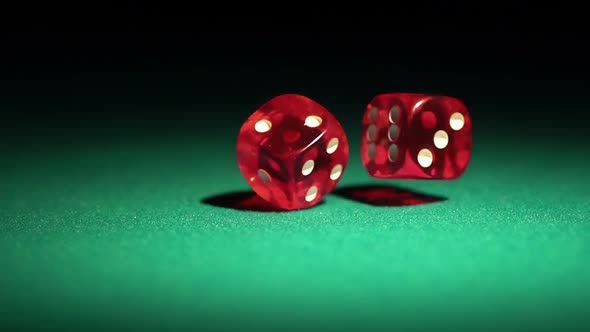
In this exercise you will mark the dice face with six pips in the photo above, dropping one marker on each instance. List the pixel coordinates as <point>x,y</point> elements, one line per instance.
<point>416,136</point>
<point>292,151</point>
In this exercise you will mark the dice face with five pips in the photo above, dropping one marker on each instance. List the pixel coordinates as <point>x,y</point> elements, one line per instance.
<point>292,151</point>
<point>416,136</point>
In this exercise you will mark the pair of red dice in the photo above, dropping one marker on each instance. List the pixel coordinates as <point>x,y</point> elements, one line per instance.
<point>293,151</point>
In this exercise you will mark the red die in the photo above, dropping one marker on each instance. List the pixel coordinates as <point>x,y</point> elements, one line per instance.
<point>416,136</point>
<point>292,151</point>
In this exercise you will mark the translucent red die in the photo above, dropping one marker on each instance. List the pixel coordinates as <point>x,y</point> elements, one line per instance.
<point>416,136</point>
<point>292,151</point>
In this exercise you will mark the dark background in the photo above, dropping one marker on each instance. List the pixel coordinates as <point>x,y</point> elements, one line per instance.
<point>108,72</point>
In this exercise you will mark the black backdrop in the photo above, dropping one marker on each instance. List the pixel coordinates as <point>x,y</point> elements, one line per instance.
<point>164,69</point>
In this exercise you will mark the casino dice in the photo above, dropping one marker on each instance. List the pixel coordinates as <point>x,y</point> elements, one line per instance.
<point>416,136</point>
<point>292,151</point>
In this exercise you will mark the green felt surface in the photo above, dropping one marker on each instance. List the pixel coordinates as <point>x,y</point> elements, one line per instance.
<point>115,234</point>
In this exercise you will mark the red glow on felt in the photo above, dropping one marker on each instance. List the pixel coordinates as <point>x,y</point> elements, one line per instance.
<point>387,196</point>
<point>243,201</point>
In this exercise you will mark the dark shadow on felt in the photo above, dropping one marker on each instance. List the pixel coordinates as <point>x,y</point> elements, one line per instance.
<point>244,201</point>
<point>386,195</point>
